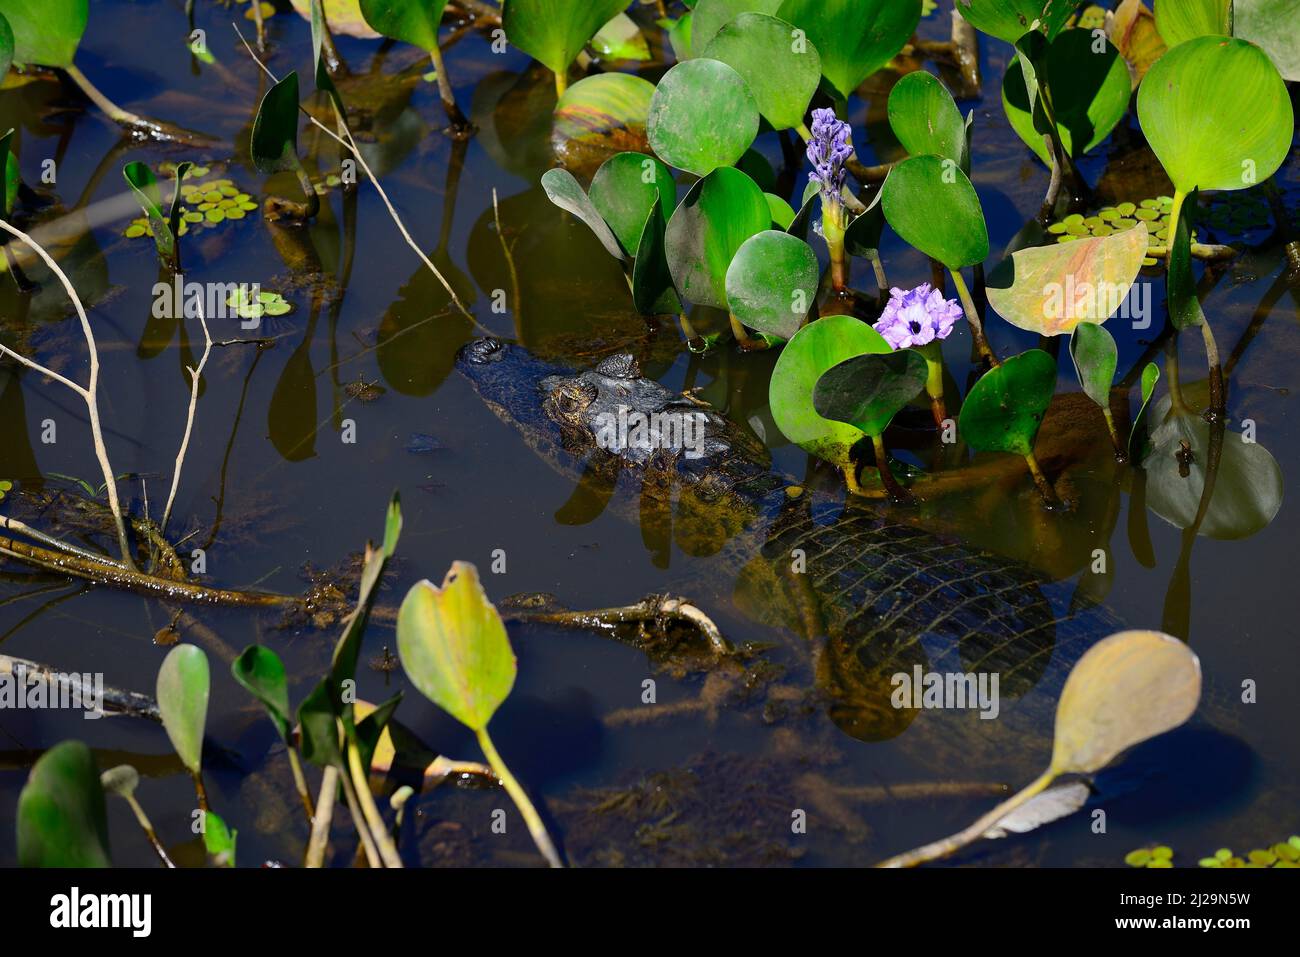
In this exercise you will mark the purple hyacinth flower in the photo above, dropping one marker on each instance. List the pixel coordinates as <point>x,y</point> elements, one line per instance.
<point>827,151</point>
<point>915,317</point>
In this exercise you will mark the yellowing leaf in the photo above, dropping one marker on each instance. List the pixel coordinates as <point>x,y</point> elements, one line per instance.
<point>1126,688</point>
<point>454,647</point>
<point>1051,289</point>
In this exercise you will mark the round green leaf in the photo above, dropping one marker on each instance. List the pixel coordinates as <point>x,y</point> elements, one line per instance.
<point>781,67</point>
<point>931,203</point>
<point>567,193</point>
<point>261,673</point>
<point>624,189</point>
<point>182,691</point>
<point>719,213</point>
<point>854,37</point>
<point>1271,24</point>
<point>702,117</point>
<point>412,22</point>
<point>868,391</point>
<point>925,118</point>
<point>815,348</point>
<point>1095,356</point>
<point>1011,19</point>
<point>1051,289</point>
<point>1004,409</point>
<point>710,16</point>
<point>1181,20</point>
<point>1192,106</point>
<point>274,143</point>
<point>600,116</point>
<point>1248,485</point>
<point>1090,93</point>
<point>555,31</point>
<point>45,32</point>
<point>653,292</point>
<point>62,821</point>
<point>772,283</point>
<point>454,647</point>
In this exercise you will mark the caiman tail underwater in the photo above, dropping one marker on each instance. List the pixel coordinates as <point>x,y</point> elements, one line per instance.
<point>874,597</point>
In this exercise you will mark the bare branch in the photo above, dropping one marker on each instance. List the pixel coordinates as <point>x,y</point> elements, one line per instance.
<point>195,375</point>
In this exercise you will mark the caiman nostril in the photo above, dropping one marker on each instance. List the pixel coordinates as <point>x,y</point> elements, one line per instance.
<point>487,349</point>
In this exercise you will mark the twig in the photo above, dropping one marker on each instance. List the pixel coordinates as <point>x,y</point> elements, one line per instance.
<point>646,610</point>
<point>116,700</point>
<point>195,375</point>
<point>89,393</point>
<point>106,572</point>
<point>23,528</point>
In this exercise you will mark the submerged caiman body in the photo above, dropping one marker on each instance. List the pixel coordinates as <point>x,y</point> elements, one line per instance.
<point>874,596</point>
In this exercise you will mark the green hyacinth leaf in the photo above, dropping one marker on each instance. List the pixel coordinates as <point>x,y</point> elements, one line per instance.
<point>868,391</point>
<point>1191,109</point>
<point>1006,406</point>
<point>567,193</point>
<point>710,16</point>
<point>624,189</point>
<point>274,142</point>
<point>719,213</point>
<point>925,118</point>
<point>815,349</point>
<point>45,32</point>
<point>1271,24</point>
<point>702,117</point>
<point>555,31</point>
<point>182,691</point>
<point>1095,357</point>
<point>653,292</point>
<point>854,37</point>
<point>782,68</point>
<point>62,819</point>
<point>1011,19</point>
<point>1181,20</point>
<point>931,203</point>
<point>772,283</point>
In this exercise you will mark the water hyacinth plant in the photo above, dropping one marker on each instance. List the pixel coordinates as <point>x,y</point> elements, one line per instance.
<point>922,318</point>
<point>828,149</point>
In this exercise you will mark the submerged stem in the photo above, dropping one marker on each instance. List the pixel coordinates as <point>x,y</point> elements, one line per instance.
<point>320,821</point>
<point>517,794</point>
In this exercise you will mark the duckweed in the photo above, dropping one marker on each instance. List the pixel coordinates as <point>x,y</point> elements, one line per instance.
<point>1114,219</point>
<point>204,203</point>
<point>1284,854</point>
<point>247,306</point>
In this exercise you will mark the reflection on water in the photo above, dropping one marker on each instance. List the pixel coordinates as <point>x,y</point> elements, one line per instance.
<point>1197,542</point>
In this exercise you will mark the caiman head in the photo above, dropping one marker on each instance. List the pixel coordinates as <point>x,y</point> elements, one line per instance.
<point>613,421</point>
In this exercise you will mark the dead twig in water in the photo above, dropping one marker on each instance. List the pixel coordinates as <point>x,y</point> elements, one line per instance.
<point>648,609</point>
<point>195,375</point>
<point>112,700</point>
<point>88,393</point>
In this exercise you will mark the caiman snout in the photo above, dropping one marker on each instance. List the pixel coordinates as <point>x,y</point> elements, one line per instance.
<point>481,351</point>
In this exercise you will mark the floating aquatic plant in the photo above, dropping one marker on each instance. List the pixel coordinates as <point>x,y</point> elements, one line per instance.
<point>1157,857</point>
<point>1156,212</point>
<point>205,203</point>
<point>828,150</point>
<point>274,146</point>
<point>264,303</point>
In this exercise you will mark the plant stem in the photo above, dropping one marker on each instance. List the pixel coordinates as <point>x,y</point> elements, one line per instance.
<point>972,317</point>
<point>1044,487</point>
<point>320,821</point>
<point>561,82</point>
<point>1121,454</point>
<point>132,121</point>
<point>89,393</point>
<point>460,127</point>
<point>1174,215</point>
<point>517,794</point>
<point>878,267</point>
<point>746,342</point>
<point>896,491</point>
<point>200,791</point>
<point>374,820</point>
<point>933,355</point>
<point>195,375</point>
<point>956,842</point>
<point>147,826</point>
<point>359,822</point>
<point>300,782</point>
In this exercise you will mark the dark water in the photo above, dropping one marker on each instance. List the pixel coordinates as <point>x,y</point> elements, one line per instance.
<point>270,486</point>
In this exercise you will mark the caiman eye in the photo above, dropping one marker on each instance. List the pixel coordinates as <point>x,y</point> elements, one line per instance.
<point>573,398</point>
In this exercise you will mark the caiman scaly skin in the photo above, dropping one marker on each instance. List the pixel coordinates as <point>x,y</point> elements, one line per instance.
<point>875,597</point>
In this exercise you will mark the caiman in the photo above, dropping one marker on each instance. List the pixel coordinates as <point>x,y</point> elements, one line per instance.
<point>873,595</point>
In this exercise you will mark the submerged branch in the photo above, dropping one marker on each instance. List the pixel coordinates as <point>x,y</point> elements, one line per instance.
<point>88,393</point>
<point>115,700</point>
<point>135,123</point>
